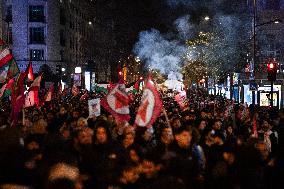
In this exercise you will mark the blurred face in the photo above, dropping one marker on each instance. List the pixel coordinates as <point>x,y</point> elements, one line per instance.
<point>229,157</point>
<point>265,126</point>
<point>101,135</point>
<point>85,137</point>
<point>202,125</point>
<point>50,116</point>
<point>176,123</point>
<point>81,123</point>
<point>183,139</point>
<point>147,135</point>
<point>217,125</point>
<point>230,130</point>
<point>75,114</point>
<point>128,140</point>
<point>32,145</point>
<point>167,136</point>
<point>62,111</point>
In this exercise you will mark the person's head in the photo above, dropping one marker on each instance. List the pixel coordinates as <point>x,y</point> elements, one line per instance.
<point>217,124</point>
<point>62,175</point>
<point>176,123</point>
<point>229,129</point>
<point>202,125</point>
<point>76,114</point>
<point>265,126</point>
<point>128,139</point>
<point>183,137</point>
<point>62,110</point>
<point>82,122</point>
<point>84,136</point>
<point>167,135</point>
<point>229,155</point>
<point>101,135</point>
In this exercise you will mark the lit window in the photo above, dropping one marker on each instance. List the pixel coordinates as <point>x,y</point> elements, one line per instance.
<point>37,54</point>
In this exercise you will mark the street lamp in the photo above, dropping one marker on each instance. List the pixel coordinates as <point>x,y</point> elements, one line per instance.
<point>275,21</point>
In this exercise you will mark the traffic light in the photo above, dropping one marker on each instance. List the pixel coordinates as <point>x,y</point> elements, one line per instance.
<point>271,71</point>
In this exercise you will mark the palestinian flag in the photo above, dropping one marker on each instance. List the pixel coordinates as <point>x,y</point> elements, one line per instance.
<point>5,57</point>
<point>9,71</point>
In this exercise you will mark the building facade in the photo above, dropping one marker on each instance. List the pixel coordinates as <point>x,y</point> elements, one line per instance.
<point>50,33</point>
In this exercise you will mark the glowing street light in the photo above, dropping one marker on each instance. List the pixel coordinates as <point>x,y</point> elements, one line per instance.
<point>206,18</point>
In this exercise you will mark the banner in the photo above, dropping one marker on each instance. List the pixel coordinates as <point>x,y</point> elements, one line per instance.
<point>181,100</point>
<point>94,107</point>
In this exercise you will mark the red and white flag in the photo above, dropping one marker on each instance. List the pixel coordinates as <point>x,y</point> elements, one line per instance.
<point>84,96</point>
<point>31,99</point>
<point>17,98</point>
<point>5,57</point>
<point>181,100</point>
<point>150,107</point>
<point>59,92</point>
<point>75,90</point>
<point>29,72</point>
<point>116,102</point>
<point>49,93</point>
<point>36,84</point>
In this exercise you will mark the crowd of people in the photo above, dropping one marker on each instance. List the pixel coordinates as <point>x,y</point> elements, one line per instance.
<point>212,143</point>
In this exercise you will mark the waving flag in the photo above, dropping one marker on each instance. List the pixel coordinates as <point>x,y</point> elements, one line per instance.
<point>116,102</point>
<point>29,72</point>
<point>36,84</point>
<point>150,107</point>
<point>5,57</point>
<point>31,99</point>
<point>84,96</point>
<point>48,96</point>
<point>9,88</point>
<point>9,70</point>
<point>75,90</point>
<point>17,98</point>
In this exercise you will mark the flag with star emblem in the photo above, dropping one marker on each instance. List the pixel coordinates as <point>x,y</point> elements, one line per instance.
<point>116,102</point>
<point>150,107</point>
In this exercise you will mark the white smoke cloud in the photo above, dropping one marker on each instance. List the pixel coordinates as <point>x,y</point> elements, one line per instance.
<point>159,52</point>
<point>184,27</point>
